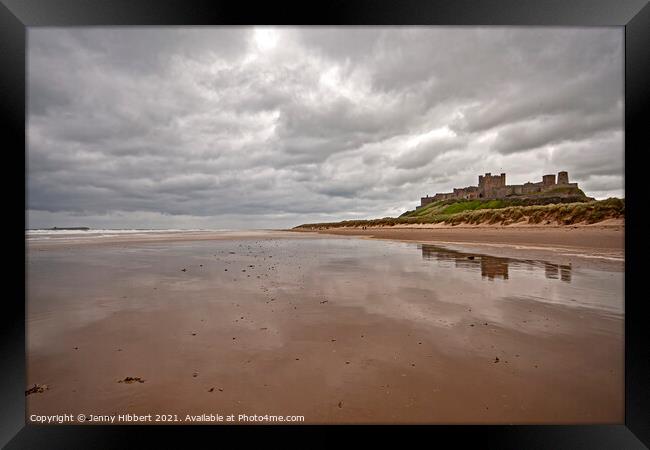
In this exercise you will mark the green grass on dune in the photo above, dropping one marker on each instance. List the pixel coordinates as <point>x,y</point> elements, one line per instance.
<point>494,212</point>
<point>472,205</point>
<point>454,206</point>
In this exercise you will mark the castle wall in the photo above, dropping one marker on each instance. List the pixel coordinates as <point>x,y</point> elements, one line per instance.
<point>469,192</point>
<point>555,186</point>
<point>445,196</point>
<point>426,200</point>
<point>505,191</point>
<point>494,186</point>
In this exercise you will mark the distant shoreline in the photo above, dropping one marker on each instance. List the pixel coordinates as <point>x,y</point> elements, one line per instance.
<point>599,245</point>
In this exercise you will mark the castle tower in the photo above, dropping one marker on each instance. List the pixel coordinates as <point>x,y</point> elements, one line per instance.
<point>488,180</point>
<point>548,180</point>
<point>563,177</point>
<point>488,184</point>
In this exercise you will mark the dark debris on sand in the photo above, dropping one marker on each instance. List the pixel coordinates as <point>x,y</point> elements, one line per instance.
<point>36,389</point>
<point>129,380</point>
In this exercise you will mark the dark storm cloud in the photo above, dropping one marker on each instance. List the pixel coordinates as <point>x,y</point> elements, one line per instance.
<point>522,136</point>
<point>244,127</point>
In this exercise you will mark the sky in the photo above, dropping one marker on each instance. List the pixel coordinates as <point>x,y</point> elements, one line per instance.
<point>271,127</point>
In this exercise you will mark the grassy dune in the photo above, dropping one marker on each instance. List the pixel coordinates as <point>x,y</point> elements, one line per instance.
<point>496,212</point>
<point>453,206</point>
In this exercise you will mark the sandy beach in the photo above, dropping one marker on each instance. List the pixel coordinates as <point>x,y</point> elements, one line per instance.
<point>345,326</point>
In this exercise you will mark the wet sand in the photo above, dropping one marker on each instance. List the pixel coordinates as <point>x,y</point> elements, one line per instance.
<point>335,328</point>
<point>597,245</point>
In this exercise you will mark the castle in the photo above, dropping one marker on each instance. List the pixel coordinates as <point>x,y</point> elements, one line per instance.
<point>494,186</point>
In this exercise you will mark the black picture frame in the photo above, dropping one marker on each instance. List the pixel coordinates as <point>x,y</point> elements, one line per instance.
<point>633,15</point>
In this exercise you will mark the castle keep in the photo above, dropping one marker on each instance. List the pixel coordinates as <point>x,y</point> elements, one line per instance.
<point>494,186</point>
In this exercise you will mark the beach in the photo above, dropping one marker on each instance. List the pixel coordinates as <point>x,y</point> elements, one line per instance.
<point>411,325</point>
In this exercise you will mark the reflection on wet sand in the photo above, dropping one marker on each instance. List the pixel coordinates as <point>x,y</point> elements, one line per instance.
<point>493,266</point>
<point>339,330</point>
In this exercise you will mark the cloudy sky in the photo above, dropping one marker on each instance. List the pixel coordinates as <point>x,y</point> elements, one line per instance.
<point>242,127</point>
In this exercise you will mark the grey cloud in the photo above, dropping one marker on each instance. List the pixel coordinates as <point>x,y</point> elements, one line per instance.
<point>423,154</point>
<point>587,94</point>
<point>522,136</point>
<point>592,159</point>
<point>217,127</point>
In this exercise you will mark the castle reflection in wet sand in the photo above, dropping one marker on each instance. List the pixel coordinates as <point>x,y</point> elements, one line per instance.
<point>492,266</point>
